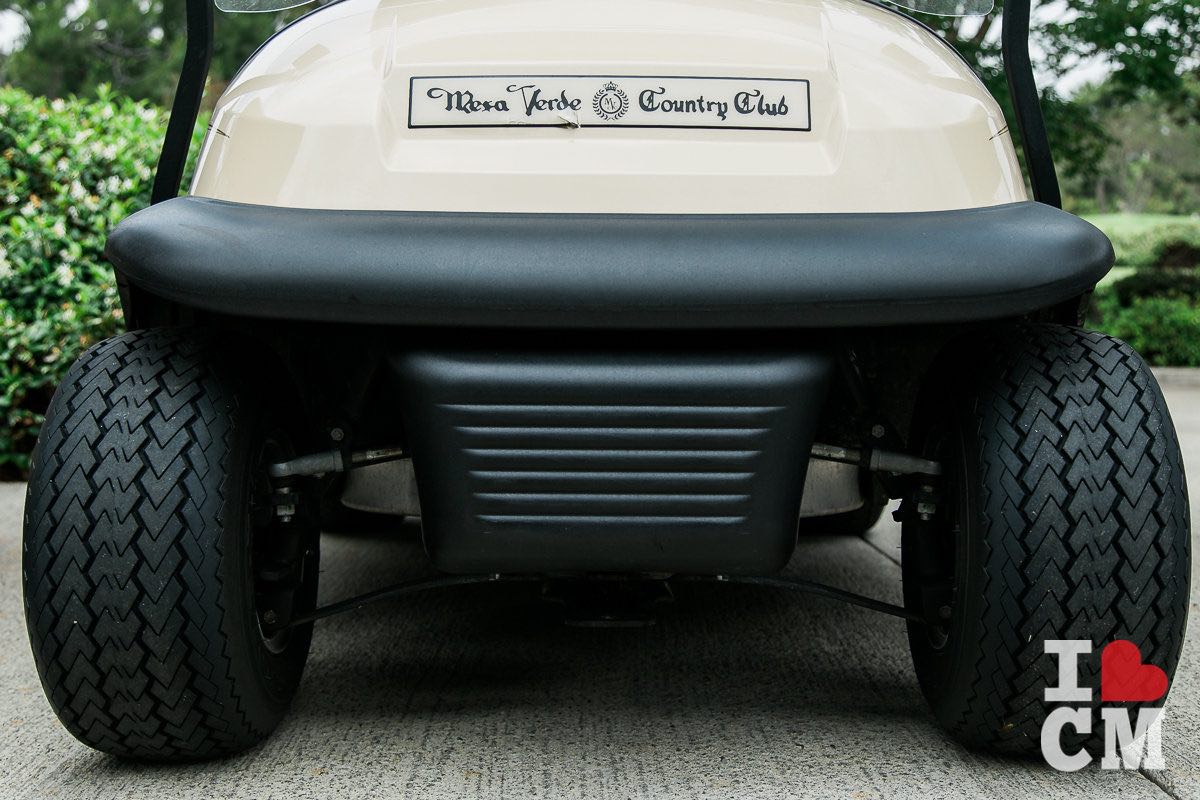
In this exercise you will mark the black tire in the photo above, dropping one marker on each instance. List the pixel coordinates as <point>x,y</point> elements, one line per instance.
<point>140,570</point>
<point>1065,482</point>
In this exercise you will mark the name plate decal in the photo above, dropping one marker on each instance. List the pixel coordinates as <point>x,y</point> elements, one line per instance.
<point>609,101</point>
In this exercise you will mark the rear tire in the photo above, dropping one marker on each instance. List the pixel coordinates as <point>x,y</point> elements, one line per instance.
<point>142,573</point>
<point>1063,515</point>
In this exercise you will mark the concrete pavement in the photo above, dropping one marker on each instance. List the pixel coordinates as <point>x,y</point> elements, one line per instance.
<point>738,692</point>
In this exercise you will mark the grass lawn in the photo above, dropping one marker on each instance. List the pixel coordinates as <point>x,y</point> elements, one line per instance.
<point>1138,237</point>
<point>1137,224</point>
<point>1115,274</point>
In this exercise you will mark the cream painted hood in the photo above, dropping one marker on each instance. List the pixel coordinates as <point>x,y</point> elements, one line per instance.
<point>634,106</point>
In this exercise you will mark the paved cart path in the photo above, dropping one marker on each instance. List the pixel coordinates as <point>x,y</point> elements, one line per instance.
<point>738,692</point>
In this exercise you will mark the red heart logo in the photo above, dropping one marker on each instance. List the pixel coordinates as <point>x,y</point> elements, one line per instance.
<point>1124,678</point>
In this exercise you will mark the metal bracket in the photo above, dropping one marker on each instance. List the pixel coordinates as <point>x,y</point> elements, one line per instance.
<point>876,460</point>
<point>316,464</point>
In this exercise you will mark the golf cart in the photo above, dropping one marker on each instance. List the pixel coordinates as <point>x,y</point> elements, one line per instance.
<point>627,291</point>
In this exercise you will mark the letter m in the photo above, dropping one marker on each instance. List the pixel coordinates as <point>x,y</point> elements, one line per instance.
<point>1141,748</point>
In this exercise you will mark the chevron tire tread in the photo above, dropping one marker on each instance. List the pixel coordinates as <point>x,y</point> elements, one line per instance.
<point>138,591</point>
<point>1076,526</point>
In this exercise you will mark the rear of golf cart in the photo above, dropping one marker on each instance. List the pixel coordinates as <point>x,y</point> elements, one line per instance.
<point>601,292</point>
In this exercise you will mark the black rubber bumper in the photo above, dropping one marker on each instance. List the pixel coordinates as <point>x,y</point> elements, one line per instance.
<point>610,271</point>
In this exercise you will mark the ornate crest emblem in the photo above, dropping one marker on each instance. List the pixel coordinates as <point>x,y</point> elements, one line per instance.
<point>610,102</point>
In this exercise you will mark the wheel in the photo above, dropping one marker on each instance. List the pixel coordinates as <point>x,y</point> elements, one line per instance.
<point>154,562</point>
<point>1062,514</point>
<point>850,523</point>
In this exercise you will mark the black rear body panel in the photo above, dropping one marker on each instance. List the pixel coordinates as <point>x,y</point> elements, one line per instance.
<point>610,271</point>
<point>561,462</point>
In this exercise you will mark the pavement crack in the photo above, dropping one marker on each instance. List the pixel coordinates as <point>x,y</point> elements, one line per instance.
<point>1153,777</point>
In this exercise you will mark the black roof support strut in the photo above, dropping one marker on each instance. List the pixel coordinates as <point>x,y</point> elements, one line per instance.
<point>186,106</point>
<point>1014,43</point>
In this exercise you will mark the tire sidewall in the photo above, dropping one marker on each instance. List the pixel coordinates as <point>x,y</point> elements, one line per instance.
<point>272,675</point>
<point>944,673</point>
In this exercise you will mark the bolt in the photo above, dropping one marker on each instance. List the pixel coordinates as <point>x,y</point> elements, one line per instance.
<point>337,434</point>
<point>944,612</point>
<point>270,617</point>
<point>878,431</point>
<point>284,509</point>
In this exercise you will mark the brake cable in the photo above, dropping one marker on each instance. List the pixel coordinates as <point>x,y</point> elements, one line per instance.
<point>424,584</point>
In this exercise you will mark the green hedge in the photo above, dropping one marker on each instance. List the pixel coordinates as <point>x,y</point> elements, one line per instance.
<point>1157,310</point>
<point>1156,307</point>
<point>1164,330</point>
<point>69,171</point>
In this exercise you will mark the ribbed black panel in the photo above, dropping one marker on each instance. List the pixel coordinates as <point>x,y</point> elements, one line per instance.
<point>615,466</point>
<point>610,463</point>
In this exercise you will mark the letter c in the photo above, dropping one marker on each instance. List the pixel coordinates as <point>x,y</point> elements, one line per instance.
<point>646,98</point>
<point>1078,718</point>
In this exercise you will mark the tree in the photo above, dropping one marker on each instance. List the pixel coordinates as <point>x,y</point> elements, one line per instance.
<point>1151,46</point>
<point>1153,164</point>
<point>72,47</point>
